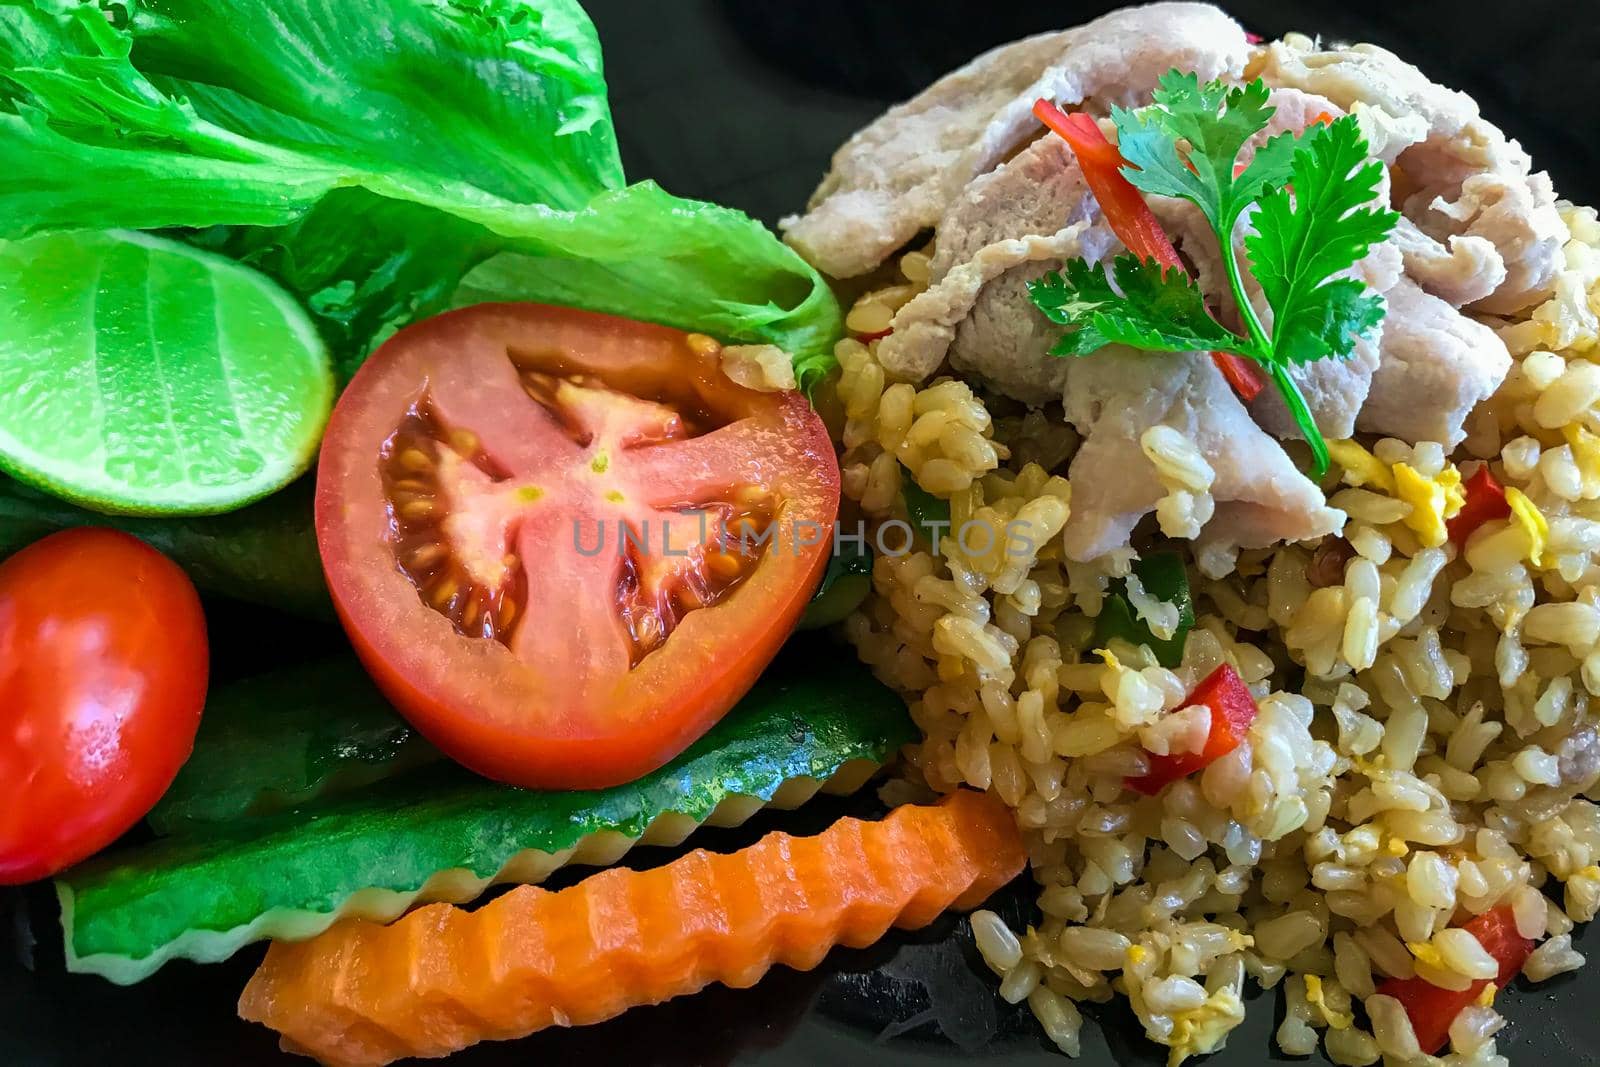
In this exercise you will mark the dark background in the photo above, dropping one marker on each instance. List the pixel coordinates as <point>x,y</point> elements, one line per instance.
<point>743,102</point>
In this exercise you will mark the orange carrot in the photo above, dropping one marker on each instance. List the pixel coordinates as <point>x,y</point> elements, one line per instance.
<point>441,978</point>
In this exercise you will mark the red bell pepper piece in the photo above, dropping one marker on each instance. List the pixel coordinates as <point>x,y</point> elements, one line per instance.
<point>1233,709</point>
<point>1131,219</point>
<point>1485,500</point>
<point>1432,1009</point>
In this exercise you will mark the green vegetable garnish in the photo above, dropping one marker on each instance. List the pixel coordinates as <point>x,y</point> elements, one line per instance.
<point>845,584</point>
<point>369,172</point>
<point>1164,577</point>
<point>277,742</point>
<point>142,375</point>
<point>1313,193</point>
<point>929,515</point>
<point>443,834</point>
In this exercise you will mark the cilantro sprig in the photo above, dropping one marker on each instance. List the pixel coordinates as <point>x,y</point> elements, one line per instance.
<point>1313,194</point>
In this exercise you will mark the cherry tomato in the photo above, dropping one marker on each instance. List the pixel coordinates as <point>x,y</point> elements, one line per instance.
<point>102,679</point>
<point>565,543</point>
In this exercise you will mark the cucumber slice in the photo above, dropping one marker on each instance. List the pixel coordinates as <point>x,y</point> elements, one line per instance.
<point>276,742</point>
<point>374,855</point>
<point>845,584</point>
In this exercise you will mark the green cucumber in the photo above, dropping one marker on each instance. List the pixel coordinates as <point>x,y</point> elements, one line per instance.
<point>265,553</point>
<point>845,584</point>
<point>276,742</point>
<point>450,837</point>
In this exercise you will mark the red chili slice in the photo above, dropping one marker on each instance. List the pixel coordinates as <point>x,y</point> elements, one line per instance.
<point>1432,1009</point>
<point>1485,500</point>
<point>1233,709</point>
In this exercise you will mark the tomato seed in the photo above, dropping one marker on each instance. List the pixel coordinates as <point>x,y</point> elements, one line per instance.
<point>425,557</point>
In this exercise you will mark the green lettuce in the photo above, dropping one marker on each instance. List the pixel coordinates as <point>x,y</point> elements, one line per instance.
<point>368,154</point>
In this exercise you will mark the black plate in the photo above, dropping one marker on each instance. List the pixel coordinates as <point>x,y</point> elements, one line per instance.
<point>743,102</point>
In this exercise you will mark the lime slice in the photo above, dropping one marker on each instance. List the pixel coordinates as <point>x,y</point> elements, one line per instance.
<point>142,376</point>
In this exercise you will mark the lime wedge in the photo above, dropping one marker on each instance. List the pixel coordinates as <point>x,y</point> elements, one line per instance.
<point>142,376</point>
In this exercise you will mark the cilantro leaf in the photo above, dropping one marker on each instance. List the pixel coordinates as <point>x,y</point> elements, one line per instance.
<point>1269,168</point>
<point>1302,239</point>
<point>1154,163</point>
<point>1216,122</point>
<point>1316,219</point>
<point>1157,310</point>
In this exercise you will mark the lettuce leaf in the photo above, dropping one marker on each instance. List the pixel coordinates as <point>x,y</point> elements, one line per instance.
<point>367,154</point>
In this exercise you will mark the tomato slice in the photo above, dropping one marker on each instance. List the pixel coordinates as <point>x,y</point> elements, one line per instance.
<point>566,543</point>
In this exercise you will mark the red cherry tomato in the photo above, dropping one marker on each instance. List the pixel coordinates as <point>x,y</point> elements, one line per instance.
<point>521,511</point>
<point>102,679</point>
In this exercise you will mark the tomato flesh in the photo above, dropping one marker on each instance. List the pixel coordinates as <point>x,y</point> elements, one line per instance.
<point>566,543</point>
<point>103,666</point>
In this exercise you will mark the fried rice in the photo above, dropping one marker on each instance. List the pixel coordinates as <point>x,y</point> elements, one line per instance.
<point>1426,746</point>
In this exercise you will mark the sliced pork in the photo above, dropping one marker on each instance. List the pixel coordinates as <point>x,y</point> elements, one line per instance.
<point>1117,394</point>
<point>1464,177</point>
<point>898,176</point>
<point>1459,270</point>
<point>1435,365</point>
<point>1006,228</point>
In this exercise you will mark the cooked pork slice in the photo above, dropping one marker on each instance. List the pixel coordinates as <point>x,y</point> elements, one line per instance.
<point>1466,178</point>
<point>1117,394</point>
<point>1006,228</point>
<point>925,326</point>
<point>1458,140</point>
<point>1435,365</point>
<point>1518,218</point>
<point>894,177</point>
<point>1459,270</point>
<point>1334,390</point>
<point>898,176</point>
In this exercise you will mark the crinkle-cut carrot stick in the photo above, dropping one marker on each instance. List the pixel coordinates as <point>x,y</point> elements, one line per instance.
<point>441,978</point>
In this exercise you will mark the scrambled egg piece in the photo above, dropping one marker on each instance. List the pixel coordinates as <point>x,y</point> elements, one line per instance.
<point>1396,847</point>
<point>1526,514</point>
<point>1425,952</point>
<point>1486,997</point>
<point>1586,453</point>
<point>1372,768</point>
<point>1201,1030</point>
<point>1432,500</point>
<point>1109,657</point>
<point>1361,467</point>
<point>1339,1020</point>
